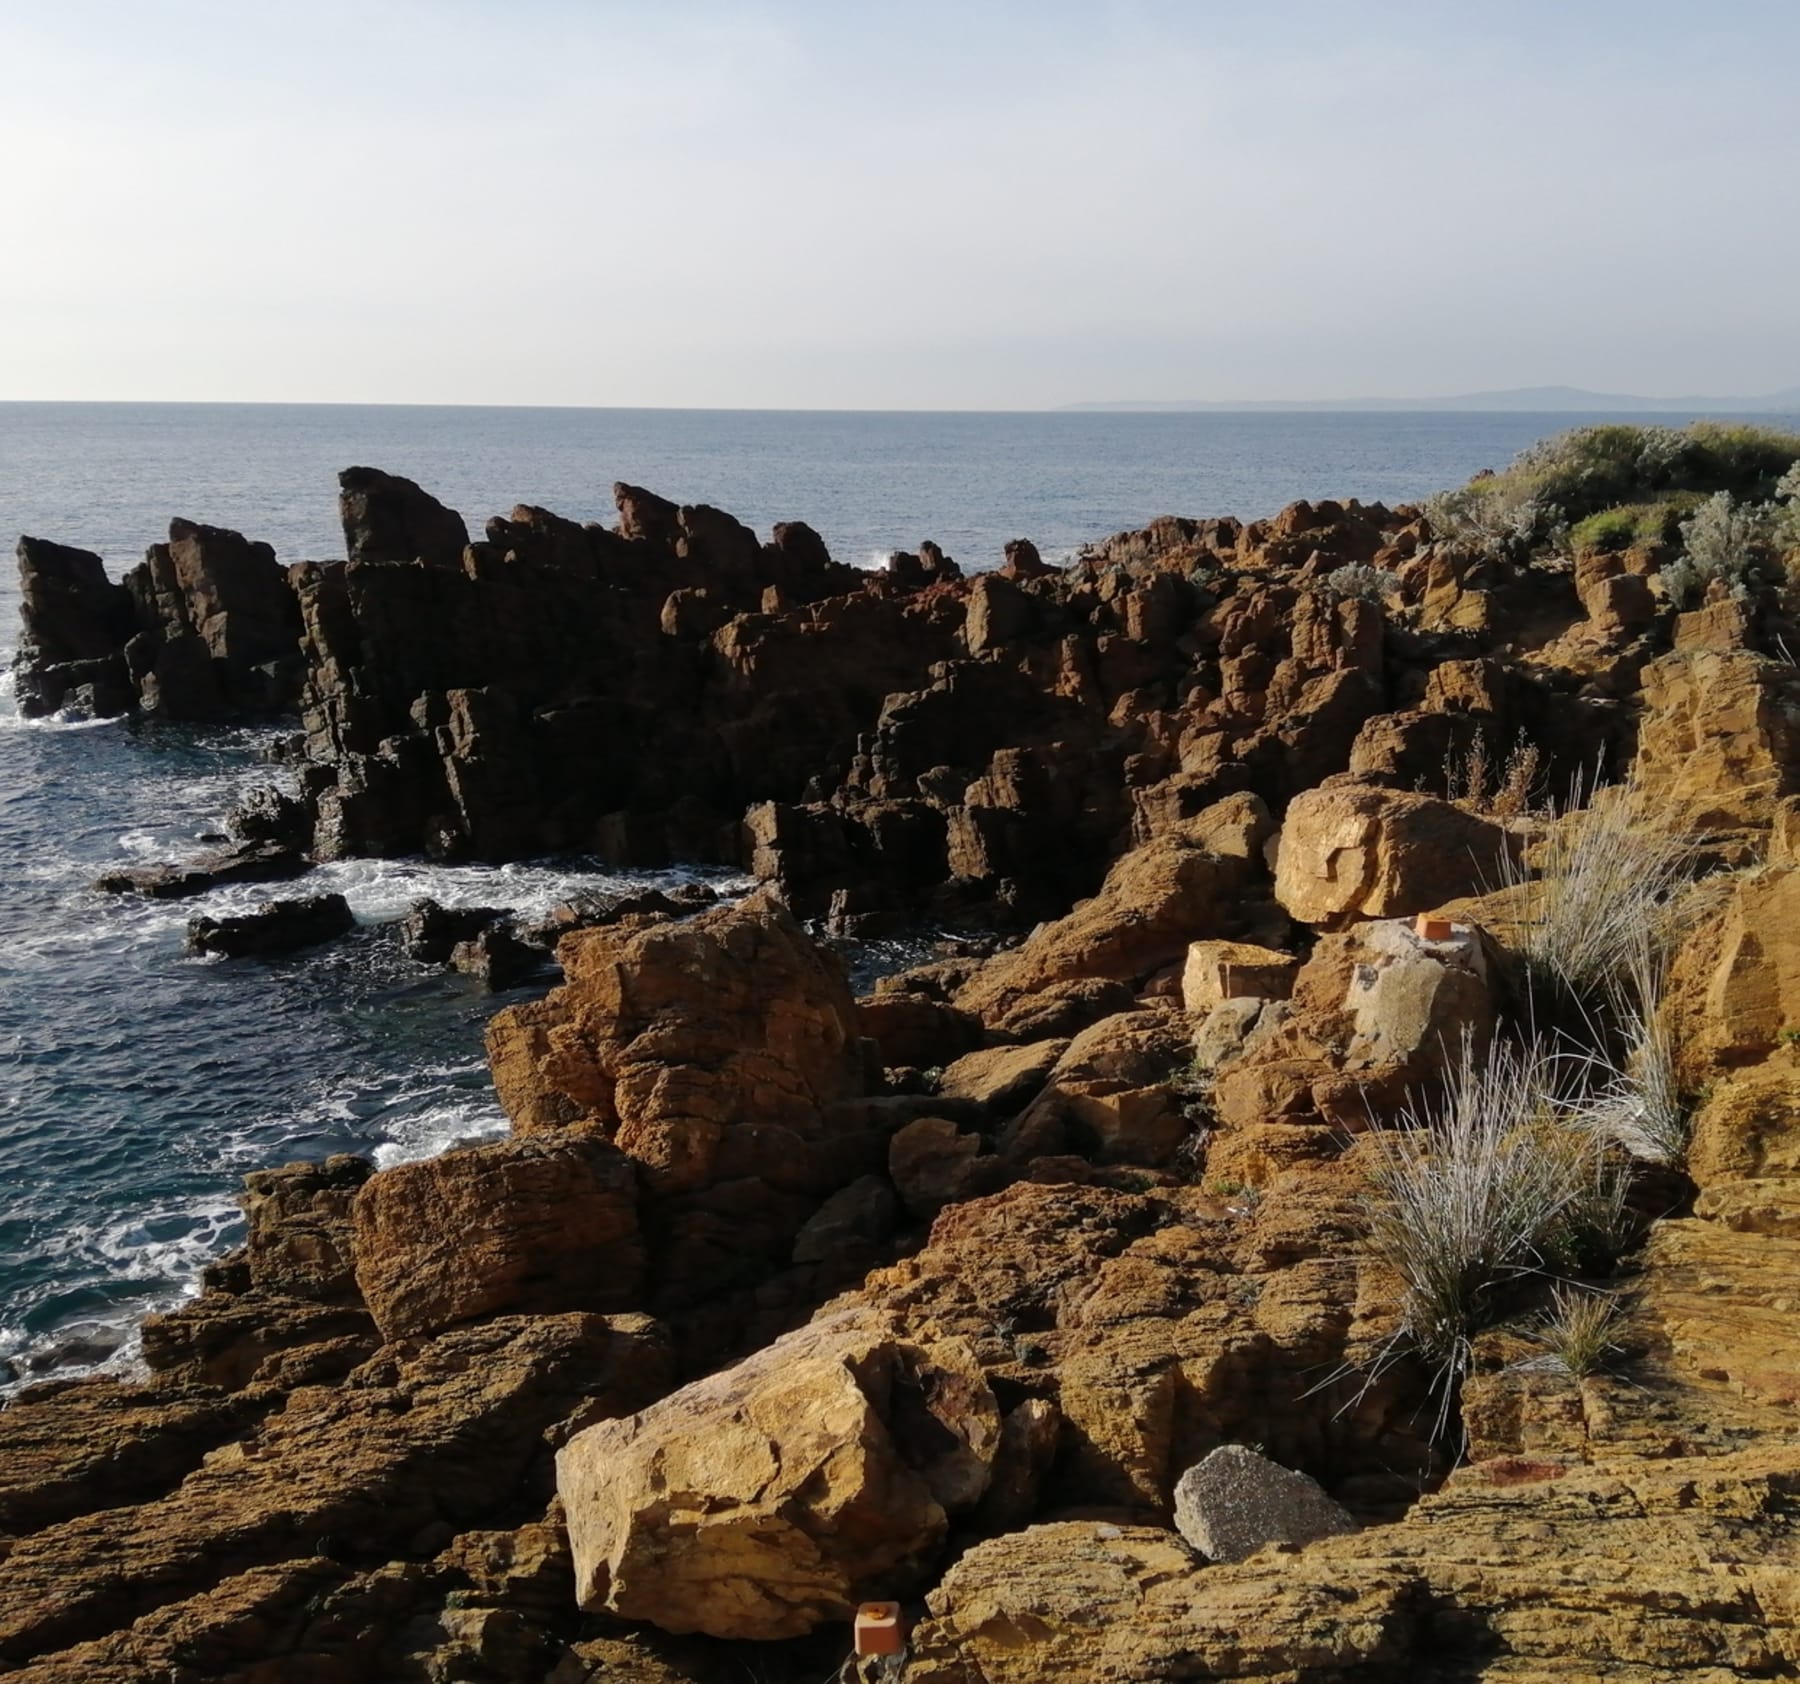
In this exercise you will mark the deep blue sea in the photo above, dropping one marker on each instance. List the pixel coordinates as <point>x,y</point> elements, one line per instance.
<point>137,1086</point>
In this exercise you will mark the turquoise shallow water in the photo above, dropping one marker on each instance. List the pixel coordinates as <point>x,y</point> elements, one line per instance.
<point>136,1086</point>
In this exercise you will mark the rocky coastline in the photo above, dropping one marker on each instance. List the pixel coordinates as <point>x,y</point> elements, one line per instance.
<point>1041,1288</point>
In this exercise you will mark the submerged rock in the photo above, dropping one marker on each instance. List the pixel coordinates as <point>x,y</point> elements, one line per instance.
<point>279,926</point>
<point>245,862</point>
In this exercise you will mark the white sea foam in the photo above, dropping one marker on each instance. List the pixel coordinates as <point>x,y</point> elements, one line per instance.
<point>161,1248</point>
<point>458,1122</point>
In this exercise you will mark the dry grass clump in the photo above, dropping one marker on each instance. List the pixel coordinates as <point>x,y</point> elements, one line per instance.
<point>1578,1330</point>
<point>1496,1183</point>
<point>1639,1106</point>
<point>1511,789</point>
<point>1603,888</point>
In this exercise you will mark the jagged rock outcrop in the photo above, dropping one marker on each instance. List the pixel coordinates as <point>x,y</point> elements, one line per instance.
<point>1095,1207</point>
<point>206,625</point>
<point>540,1225</point>
<point>76,623</point>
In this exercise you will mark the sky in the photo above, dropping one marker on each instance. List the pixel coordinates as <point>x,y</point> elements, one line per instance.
<point>789,204</point>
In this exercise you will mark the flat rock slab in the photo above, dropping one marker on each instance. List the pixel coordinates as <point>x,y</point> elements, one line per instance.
<point>1237,1502</point>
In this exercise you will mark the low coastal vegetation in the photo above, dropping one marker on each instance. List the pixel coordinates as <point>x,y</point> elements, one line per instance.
<point>1611,487</point>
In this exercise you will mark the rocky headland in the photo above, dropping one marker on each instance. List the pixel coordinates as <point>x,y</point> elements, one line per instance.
<point>1068,1288</point>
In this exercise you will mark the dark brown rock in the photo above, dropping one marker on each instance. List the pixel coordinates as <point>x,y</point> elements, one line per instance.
<point>388,518</point>
<point>279,926</point>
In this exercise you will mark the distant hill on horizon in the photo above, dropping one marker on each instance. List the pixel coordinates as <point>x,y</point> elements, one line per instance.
<point>1523,399</point>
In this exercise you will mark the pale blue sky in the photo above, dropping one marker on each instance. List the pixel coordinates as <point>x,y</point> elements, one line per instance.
<point>911,205</point>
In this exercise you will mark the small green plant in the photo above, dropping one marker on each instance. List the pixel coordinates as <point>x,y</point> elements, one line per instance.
<point>1578,1330</point>
<point>1631,525</point>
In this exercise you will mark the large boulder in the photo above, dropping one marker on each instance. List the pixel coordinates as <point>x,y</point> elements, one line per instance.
<point>773,1497</point>
<point>1350,852</point>
<point>673,1038</point>
<point>721,1056</point>
<point>541,1225</point>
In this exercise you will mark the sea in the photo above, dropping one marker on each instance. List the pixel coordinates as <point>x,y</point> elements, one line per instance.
<point>137,1086</point>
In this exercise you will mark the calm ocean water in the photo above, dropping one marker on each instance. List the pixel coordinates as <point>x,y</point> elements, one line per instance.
<point>136,1087</point>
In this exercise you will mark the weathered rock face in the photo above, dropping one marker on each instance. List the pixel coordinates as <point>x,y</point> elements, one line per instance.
<point>207,624</point>
<point>1190,882</point>
<point>297,1227</point>
<point>770,1498</point>
<point>712,1054</point>
<point>540,1225</point>
<point>387,518</point>
<point>1351,852</point>
<point>239,1557</point>
<point>1162,1324</point>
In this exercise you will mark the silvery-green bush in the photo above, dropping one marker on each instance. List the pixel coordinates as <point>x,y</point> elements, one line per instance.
<point>1725,540</point>
<point>1359,579</point>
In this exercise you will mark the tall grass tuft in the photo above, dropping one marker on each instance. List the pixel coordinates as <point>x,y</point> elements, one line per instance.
<point>1603,886</point>
<point>1640,1106</point>
<point>1471,1196</point>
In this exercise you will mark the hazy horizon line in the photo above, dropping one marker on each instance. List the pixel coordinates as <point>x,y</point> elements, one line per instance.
<point>1770,403</point>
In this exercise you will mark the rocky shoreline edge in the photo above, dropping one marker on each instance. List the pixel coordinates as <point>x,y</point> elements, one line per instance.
<point>1024,1289</point>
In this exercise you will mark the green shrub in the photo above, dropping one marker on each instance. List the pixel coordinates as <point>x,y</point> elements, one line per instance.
<point>1633,524</point>
<point>1587,471</point>
<point>1726,541</point>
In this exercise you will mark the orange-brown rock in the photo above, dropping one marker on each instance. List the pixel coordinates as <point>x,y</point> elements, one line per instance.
<point>673,1038</point>
<point>932,1163</point>
<point>425,1441</point>
<point>1215,971</point>
<point>1180,887</point>
<point>1162,1324</point>
<point>767,1499</point>
<point>1111,1096</point>
<point>1639,1572</point>
<point>541,1225</point>
<point>1717,742</point>
<point>1350,852</point>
